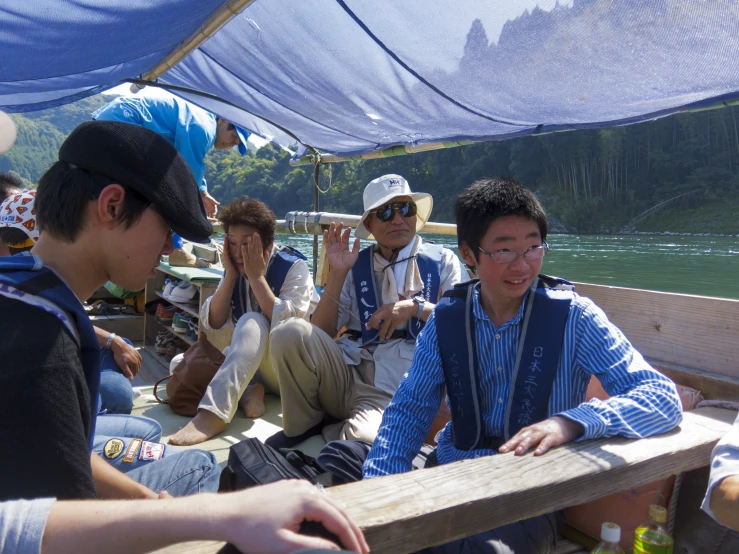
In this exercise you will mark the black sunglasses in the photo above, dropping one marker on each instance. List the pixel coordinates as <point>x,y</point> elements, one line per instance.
<point>405,209</point>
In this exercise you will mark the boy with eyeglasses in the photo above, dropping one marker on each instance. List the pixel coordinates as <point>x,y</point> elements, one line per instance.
<point>515,352</point>
<point>378,299</point>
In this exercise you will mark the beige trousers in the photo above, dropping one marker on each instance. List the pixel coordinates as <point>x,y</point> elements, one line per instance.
<point>315,380</point>
<point>249,352</point>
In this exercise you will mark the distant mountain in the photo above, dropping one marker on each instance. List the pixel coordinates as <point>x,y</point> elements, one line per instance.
<point>40,134</point>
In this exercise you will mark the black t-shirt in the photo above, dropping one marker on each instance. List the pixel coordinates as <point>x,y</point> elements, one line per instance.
<point>44,407</point>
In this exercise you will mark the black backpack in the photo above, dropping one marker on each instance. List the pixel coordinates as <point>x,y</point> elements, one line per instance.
<point>252,463</point>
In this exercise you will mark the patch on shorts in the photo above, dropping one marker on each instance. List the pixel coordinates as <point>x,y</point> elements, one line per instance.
<point>113,448</point>
<point>131,451</point>
<point>151,451</point>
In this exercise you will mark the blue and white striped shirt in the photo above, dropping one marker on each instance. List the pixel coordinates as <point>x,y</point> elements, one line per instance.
<point>643,402</point>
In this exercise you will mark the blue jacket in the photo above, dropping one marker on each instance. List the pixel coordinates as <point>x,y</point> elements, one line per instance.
<point>191,130</point>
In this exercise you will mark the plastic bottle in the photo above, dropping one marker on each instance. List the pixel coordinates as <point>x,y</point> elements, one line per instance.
<point>610,536</point>
<point>652,536</point>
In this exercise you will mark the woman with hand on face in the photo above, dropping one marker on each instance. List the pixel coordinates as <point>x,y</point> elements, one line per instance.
<point>262,285</point>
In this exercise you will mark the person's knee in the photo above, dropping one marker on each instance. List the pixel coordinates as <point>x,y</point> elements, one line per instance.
<point>150,429</point>
<point>198,458</point>
<point>252,322</point>
<point>363,425</point>
<point>116,393</point>
<point>287,334</point>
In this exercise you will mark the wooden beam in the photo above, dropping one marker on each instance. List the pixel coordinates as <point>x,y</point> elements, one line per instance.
<point>404,513</point>
<point>696,332</point>
<point>313,223</point>
<point>407,512</point>
<point>220,17</point>
<point>711,385</point>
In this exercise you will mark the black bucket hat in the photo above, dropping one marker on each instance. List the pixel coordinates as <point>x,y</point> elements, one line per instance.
<point>144,161</point>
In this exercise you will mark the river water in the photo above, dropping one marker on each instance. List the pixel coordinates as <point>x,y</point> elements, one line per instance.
<point>701,265</point>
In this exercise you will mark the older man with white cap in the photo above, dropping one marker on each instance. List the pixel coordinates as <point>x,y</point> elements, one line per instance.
<point>378,299</point>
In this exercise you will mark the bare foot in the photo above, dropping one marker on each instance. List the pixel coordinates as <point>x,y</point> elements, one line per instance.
<point>202,427</point>
<point>252,401</point>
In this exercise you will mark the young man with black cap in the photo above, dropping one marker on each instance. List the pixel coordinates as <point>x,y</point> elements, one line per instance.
<point>106,211</point>
<point>261,520</point>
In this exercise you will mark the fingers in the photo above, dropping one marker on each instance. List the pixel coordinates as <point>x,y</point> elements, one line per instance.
<point>346,234</point>
<point>527,438</point>
<point>376,319</point>
<point>516,442</point>
<point>385,327</point>
<point>127,373</point>
<point>255,241</point>
<point>355,249</point>
<point>306,542</point>
<point>549,441</point>
<point>334,232</point>
<point>333,518</point>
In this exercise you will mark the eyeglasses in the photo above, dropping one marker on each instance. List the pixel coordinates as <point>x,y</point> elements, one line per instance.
<point>507,256</point>
<point>405,209</point>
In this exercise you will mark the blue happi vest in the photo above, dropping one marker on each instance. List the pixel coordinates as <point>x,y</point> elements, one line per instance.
<point>25,275</point>
<point>539,348</point>
<point>282,261</point>
<point>428,259</point>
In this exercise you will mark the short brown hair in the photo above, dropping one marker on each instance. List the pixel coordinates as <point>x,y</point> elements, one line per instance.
<point>252,212</point>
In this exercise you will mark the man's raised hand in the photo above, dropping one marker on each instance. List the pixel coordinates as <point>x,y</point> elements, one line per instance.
<point>336,243</point>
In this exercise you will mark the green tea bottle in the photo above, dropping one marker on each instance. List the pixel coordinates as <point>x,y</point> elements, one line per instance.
<point>610,537</point>
<point>652,537</point>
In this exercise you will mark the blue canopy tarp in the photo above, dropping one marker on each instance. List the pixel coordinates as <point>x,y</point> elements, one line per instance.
<point>351,77</point>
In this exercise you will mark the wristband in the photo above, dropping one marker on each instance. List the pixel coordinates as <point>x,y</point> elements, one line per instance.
<point>421,303</point>
<point>110,341</point>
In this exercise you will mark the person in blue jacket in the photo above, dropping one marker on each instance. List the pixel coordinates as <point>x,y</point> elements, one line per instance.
<point>193,131</point>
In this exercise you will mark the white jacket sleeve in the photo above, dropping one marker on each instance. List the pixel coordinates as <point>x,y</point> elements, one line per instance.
<point>298,296</point>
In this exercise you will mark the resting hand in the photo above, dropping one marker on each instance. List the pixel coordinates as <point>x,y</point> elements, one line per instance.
<point>266,519</point>
<point>254,257</point>
<point>210,204</point>
<point>126,356</point>
<point>389,316</point>
<point>336,243</point>
<point>543,435</point>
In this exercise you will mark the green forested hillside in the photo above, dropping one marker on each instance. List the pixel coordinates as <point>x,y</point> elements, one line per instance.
<point>589,181</point>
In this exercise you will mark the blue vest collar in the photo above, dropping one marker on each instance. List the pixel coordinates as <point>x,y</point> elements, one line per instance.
<point>542,334</point>
<point>428,258</point>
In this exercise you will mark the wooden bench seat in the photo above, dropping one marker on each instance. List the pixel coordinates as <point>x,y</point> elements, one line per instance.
<point>404,513</point>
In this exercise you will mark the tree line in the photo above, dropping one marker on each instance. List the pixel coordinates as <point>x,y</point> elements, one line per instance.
<point>589,180</point>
